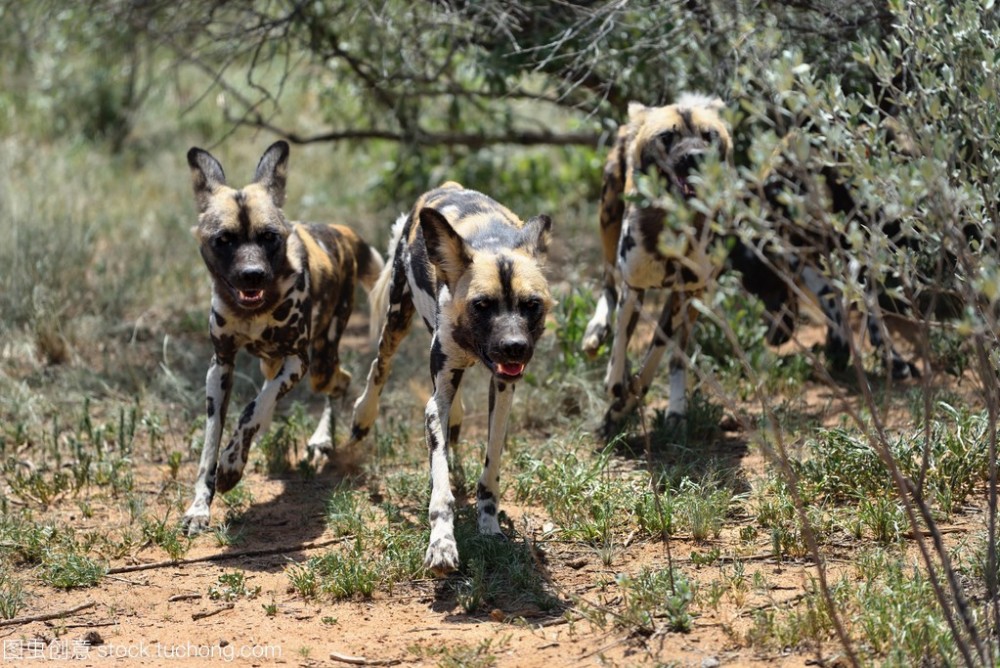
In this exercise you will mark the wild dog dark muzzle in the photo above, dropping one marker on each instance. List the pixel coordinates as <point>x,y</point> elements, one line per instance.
<point>685,159</point>
<point>250,275</point>
<point>509,348</point>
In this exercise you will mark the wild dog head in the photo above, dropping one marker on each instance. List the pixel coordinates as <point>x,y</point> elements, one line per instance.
<point>499,296</point>
<point>670,141</point>
<point>242,233</point>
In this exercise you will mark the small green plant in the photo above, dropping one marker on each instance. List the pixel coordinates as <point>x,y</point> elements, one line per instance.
<point>344,515</point>
<point>71,570</point>
<point>699,425</point>
<point>165,533</point>
<point>231,587</point>
<point>884,519</point>
<point>304,580</point>
<point>582,499</point>
<point>174,461</point>
<point>706,558</point>
<point>37,487</point>
<point>281,442</point>
<point>12,596</point>
<point>270,609</point>
<point>25,541</point>
<point>571,314</point>
<point>949,351</point>
<point>701,507</point>
<point>656,594</point>
<point>226,536</point>
<point>349,575</point>
<point>656,514</point>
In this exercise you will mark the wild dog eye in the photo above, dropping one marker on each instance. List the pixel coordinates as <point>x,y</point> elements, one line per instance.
<point>482,304</point>
<point>708,137</point>
<point>268,237</point>
<point>531,305</point>
<point>222,239</point>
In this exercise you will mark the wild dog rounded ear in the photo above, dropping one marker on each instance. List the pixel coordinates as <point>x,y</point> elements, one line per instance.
<point>536,233</point>
<point>445,248</point>
<point>272,171</point>
<point>636,112</point>
<point>206,175</point>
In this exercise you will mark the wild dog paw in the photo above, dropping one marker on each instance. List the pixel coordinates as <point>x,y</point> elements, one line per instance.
<point>442,556</point>
<point>611,426</point>
<point>593,337</point>
<point>488,523</point>
<point>195,521</point>
<point>318,454</point>
<point>319,445</point>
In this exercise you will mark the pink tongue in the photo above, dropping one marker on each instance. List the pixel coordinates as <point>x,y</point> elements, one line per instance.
<point>510,369</point>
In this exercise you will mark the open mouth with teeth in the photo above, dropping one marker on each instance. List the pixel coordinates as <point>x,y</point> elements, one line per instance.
<point>684,187</point>
<point>682,172</point>
<point>249,298</point>
<point>509,371</point>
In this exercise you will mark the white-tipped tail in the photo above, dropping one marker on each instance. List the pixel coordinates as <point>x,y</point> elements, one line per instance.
<point>378,295</point>
<point>374,270</point>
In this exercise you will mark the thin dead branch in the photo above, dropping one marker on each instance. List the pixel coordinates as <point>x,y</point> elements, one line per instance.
<point>208,613</point>
<point>17,621</point>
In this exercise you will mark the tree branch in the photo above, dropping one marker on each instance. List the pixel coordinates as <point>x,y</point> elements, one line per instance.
<point>471,140</point>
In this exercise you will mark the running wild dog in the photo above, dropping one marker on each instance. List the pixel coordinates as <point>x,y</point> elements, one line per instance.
<point>472,270</point>
<point>281,290</point>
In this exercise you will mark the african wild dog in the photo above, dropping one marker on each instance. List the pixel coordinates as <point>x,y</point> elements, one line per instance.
<point>669,141</point>
<point>472,270</point>
<point>283,291</point>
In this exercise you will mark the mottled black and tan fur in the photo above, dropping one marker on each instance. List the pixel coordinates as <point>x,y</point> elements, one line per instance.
<point>281,290</point>
<point>472,270</point>
<point>668,142</point>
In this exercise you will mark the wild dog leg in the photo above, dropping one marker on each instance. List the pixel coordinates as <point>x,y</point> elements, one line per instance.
<point>218,388</point>
<point>457,412</point>
<point>442,550</point>
<point>599,325</point>
<point>255,420</point>
<point>488,488</point>
<point>397,324</point>
<point>326,375</point>
<point>616,380</point>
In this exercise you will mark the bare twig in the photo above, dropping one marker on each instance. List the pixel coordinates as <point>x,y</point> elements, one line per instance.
<point>362,661</point>
<point>183,597</point>
<point>208,613</point>
<point>17,621</point>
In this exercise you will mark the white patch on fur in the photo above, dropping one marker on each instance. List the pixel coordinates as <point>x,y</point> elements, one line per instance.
<point>690,100</point>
